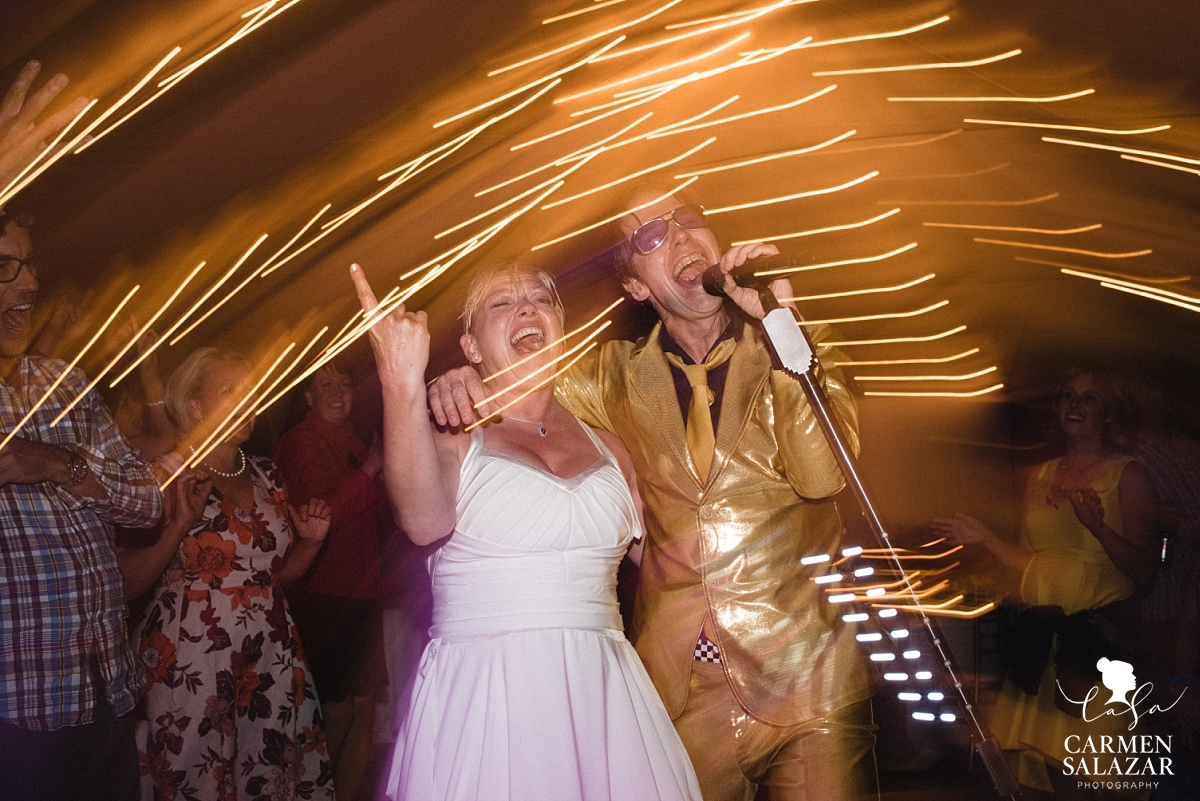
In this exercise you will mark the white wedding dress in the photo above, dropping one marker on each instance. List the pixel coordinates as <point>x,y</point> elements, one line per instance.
<point>529,689</point>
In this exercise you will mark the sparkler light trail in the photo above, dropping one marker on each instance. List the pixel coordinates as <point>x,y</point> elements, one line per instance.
<point>747,115</point>
<point>1051,231</point>
<point>1000,99</point>
<point>851,292</point>
<point>770,157</point>
<point>829,229</point>
<point>1174,279</point>
<point>732,15</point>
<point>1178,167</point>
<point>517,384</point>
<point>1093,253</point>
<point>225,299</point>
<point>1006,203</point>
<point>563,338</point>
<point>615,217</point>
<point>1151,296</point>
<point>977,393</point>
<point>883,362</point>
<point>1060,127</point>
<point>896,340</point>
<point>532,389</point>
<point>963,377</point>
<point>1119,149</point>
<point>133,341</point>
<point>811,193</point>
<point>267,264</point>
<point>924,26</point>
<point>585,40</point>
<point>587,10</point>
<point>883,316</point>
<point>865,260</point>
<point>71,366</point>
<point>750,16</point>
<point>941,65</point>
<point>631,176</point>
<point>655,71</point>
<point>1190,302</point>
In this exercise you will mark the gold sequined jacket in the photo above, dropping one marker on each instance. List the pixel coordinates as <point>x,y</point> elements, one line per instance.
<point>730,552</point>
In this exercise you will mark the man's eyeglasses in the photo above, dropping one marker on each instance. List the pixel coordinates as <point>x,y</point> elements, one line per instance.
<point>10,267</point>
<point>650,235</point>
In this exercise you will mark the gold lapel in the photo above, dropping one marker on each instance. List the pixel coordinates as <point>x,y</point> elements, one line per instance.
<point>658,413</point>
<point>749,368</point>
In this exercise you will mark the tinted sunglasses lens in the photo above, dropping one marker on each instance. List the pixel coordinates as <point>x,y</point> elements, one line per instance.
<point>690,216</point>
<point>649,236</point>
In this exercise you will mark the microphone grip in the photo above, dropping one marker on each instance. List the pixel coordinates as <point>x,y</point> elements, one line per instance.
<point>744,275</point>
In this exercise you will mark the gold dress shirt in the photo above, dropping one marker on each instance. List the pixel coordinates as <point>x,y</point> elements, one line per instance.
<point>728,548</point>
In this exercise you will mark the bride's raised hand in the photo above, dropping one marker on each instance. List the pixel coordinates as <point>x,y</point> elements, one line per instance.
<point>399,338</point>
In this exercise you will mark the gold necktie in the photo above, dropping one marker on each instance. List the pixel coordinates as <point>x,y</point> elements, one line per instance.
<point>701,440</point>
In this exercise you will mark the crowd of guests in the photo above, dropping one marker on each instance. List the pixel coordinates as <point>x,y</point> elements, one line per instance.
<point>272,649</point>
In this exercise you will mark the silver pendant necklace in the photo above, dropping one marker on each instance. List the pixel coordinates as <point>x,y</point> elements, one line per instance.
<point>541,427</point>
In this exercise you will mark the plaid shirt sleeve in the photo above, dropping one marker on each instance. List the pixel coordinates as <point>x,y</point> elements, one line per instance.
<point>62,603</point>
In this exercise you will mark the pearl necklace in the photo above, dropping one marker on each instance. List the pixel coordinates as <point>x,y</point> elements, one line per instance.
<point>541,427</point>
<point>215,471</point>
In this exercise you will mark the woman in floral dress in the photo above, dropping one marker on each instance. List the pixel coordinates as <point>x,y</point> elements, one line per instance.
<point>231,711</point>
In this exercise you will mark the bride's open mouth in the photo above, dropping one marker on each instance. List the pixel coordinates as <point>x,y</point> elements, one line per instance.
<point>528,339</point>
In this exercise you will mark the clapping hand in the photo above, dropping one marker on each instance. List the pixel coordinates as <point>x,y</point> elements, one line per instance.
<point>311,520</point>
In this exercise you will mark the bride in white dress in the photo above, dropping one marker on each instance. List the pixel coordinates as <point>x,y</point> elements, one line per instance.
<point>528,688</point>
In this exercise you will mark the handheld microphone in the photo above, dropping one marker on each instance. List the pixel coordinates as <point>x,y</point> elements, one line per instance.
<point>744,275</point>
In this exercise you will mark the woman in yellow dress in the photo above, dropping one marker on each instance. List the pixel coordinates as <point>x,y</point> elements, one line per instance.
<point>1086,542</point>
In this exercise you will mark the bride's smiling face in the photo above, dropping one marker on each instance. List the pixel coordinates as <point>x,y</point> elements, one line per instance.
<point>517,316</point>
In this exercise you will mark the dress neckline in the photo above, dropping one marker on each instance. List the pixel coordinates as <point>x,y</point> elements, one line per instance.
<point>603,458</point>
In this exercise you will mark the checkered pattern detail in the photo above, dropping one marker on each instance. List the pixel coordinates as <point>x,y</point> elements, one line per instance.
<point>706,650</point>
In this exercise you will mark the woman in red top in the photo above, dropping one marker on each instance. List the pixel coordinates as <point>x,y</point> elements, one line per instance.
<point>336,604</point>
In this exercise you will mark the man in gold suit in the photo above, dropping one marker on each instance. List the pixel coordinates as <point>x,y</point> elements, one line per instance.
<point>764,682</point>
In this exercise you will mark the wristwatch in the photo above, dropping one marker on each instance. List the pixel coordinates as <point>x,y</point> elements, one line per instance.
<point>78,467</point>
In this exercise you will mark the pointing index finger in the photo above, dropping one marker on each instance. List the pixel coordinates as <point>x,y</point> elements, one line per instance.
<point>365,296</point>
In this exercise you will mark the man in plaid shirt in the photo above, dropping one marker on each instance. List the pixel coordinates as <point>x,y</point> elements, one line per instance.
<point>67,671</point>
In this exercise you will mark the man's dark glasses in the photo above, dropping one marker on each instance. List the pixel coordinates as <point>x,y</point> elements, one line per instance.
<point>10,267</point>
<point>652,233</point>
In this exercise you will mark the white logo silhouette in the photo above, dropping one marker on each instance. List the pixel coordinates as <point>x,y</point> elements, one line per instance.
<point>1118,677</point>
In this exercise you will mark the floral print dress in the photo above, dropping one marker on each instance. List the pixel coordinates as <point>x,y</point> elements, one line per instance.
<point>231,711</point>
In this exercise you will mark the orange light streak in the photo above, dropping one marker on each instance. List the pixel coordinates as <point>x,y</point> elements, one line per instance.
<point>1128,157</point>
<point>141,331</point>
<point>265,272</point>
<point>655,71</point>
<point>745,60</point>
<point>896,340</point>
<point>746,115</point>
<point>1177,279</point>
<point>1059,249</point>
<point>632,176</point>
<point>563,338</point>
<point>544,367</point>
<point>732,15</point>
<point>934,66</point>
<point>1118,149</point>
<point>1151,296</point>
<point>253,25</point>
<point>583,124</point>
<point>812,231</point>
<point>545,78</point>
<point>882,362</point>
<point>519,197</point>
<point>1112,131</point>
<point>975,394</point>
<point>770,157</point>
<point>581,153</point>
<point>42,161</point>
<point>964,377</point>
<point>585,40</point>
<point>860,592</point>
<point>615,217</point>
<point>927,608</point>
<point>864,260</point>
<point>884,316</point>
<point>1029,202</point>
<point>811,193</point>
<point>973,174</point>
<point>852,292</point>
<point>905,554</point>
<point>176,325</point>
<point>532,389</point>
<point>749,17</point>
<point>864,38</point>
<point>226,299</point>
<point>1133,285</point>
<point>53,386</point>
<point>978,611</point>
<point>1048,99</point>
<point>626,100</point>
<point>1051,231</point>
<point>589,9</point>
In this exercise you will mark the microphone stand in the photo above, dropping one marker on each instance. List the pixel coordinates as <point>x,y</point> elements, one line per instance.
<point>793,351</point>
